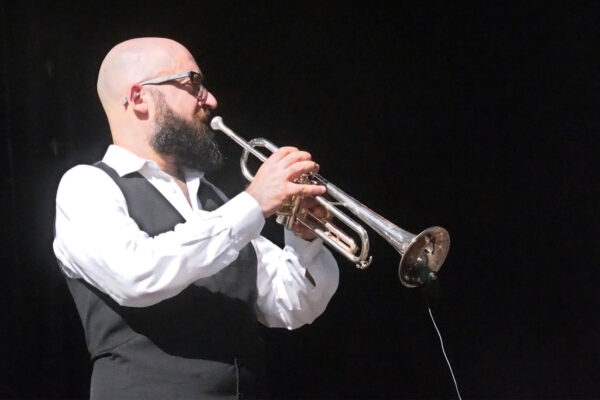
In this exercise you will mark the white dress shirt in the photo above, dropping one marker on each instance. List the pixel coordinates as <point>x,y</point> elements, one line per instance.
<point>98,241</point>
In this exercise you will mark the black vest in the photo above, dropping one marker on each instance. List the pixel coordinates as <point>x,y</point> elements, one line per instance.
<point>203,343</point>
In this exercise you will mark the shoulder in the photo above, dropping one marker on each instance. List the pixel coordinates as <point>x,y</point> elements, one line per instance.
<point>82,174</point>
<point>86,180</point>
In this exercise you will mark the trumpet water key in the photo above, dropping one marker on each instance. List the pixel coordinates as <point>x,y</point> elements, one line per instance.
<point>422,255</point>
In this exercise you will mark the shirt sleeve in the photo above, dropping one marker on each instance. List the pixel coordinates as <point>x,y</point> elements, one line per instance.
<point>98,241</point>
<point>286,298</point>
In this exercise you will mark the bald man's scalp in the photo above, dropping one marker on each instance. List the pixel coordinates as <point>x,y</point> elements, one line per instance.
<point>134,61</point>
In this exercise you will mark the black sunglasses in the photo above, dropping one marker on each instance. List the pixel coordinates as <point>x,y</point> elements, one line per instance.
<point>196,79</point>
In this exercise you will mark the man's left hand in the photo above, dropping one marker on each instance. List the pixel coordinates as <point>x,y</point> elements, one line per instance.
<point>311,205</point>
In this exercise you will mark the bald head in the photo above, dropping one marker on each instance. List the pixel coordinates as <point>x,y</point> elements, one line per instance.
<point>134,61</point>
<point>135,122</point>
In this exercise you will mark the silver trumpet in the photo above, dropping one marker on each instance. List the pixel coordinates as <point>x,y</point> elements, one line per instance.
<point>422,255</point>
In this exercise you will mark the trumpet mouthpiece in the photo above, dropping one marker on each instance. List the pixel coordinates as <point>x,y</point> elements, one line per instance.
<point>216,122</point>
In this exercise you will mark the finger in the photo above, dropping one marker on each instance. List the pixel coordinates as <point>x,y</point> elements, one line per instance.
<point>305,190</point>
<point>319,212</point>
<point>303,232</point>
<point>282,152</point>
<point>294,157</point>
<point>300,168</point>
<point>309,203</point>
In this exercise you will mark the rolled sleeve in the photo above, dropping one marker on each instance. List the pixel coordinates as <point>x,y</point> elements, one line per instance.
<point>245,217</point>
<point>241,215</point>
<point>287,299</point>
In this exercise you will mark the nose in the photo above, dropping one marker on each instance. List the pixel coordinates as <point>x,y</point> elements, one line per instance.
<point>208,100</point>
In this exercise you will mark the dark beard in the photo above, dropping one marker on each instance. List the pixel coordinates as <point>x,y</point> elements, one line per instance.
<point>191,143</point>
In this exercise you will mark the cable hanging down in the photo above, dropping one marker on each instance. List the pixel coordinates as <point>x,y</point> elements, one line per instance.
<point>444,352</point>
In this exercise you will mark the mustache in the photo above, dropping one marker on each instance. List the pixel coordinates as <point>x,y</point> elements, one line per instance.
<point>203,115</point>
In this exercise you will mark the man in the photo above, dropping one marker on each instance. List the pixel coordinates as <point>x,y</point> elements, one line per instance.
<point>168,277</point>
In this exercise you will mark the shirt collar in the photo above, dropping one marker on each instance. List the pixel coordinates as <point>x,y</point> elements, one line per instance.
<point>124,161</point>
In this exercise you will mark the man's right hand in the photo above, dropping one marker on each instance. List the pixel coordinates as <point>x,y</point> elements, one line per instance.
<point>274,180</point>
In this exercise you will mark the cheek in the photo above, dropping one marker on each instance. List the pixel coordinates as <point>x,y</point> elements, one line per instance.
<point>185,107</point>
<point>182,103</point>
<point>188,106</point>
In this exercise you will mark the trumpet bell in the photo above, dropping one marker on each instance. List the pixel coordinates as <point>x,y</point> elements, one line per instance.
<point>424,256</point>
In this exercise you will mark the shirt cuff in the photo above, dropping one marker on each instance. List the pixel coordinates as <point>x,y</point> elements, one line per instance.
<point>305,250</point>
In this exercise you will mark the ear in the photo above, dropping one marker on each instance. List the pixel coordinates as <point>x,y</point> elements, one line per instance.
<point>136,99</point>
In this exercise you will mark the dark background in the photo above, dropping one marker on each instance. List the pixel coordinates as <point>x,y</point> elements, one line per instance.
<point>477,117</point>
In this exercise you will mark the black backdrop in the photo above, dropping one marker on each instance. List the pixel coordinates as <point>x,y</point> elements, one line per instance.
<point>479,118</point>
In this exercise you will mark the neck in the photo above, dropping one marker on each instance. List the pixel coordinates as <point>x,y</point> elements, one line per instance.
<point>166,163</point>
<point>169,166</point>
